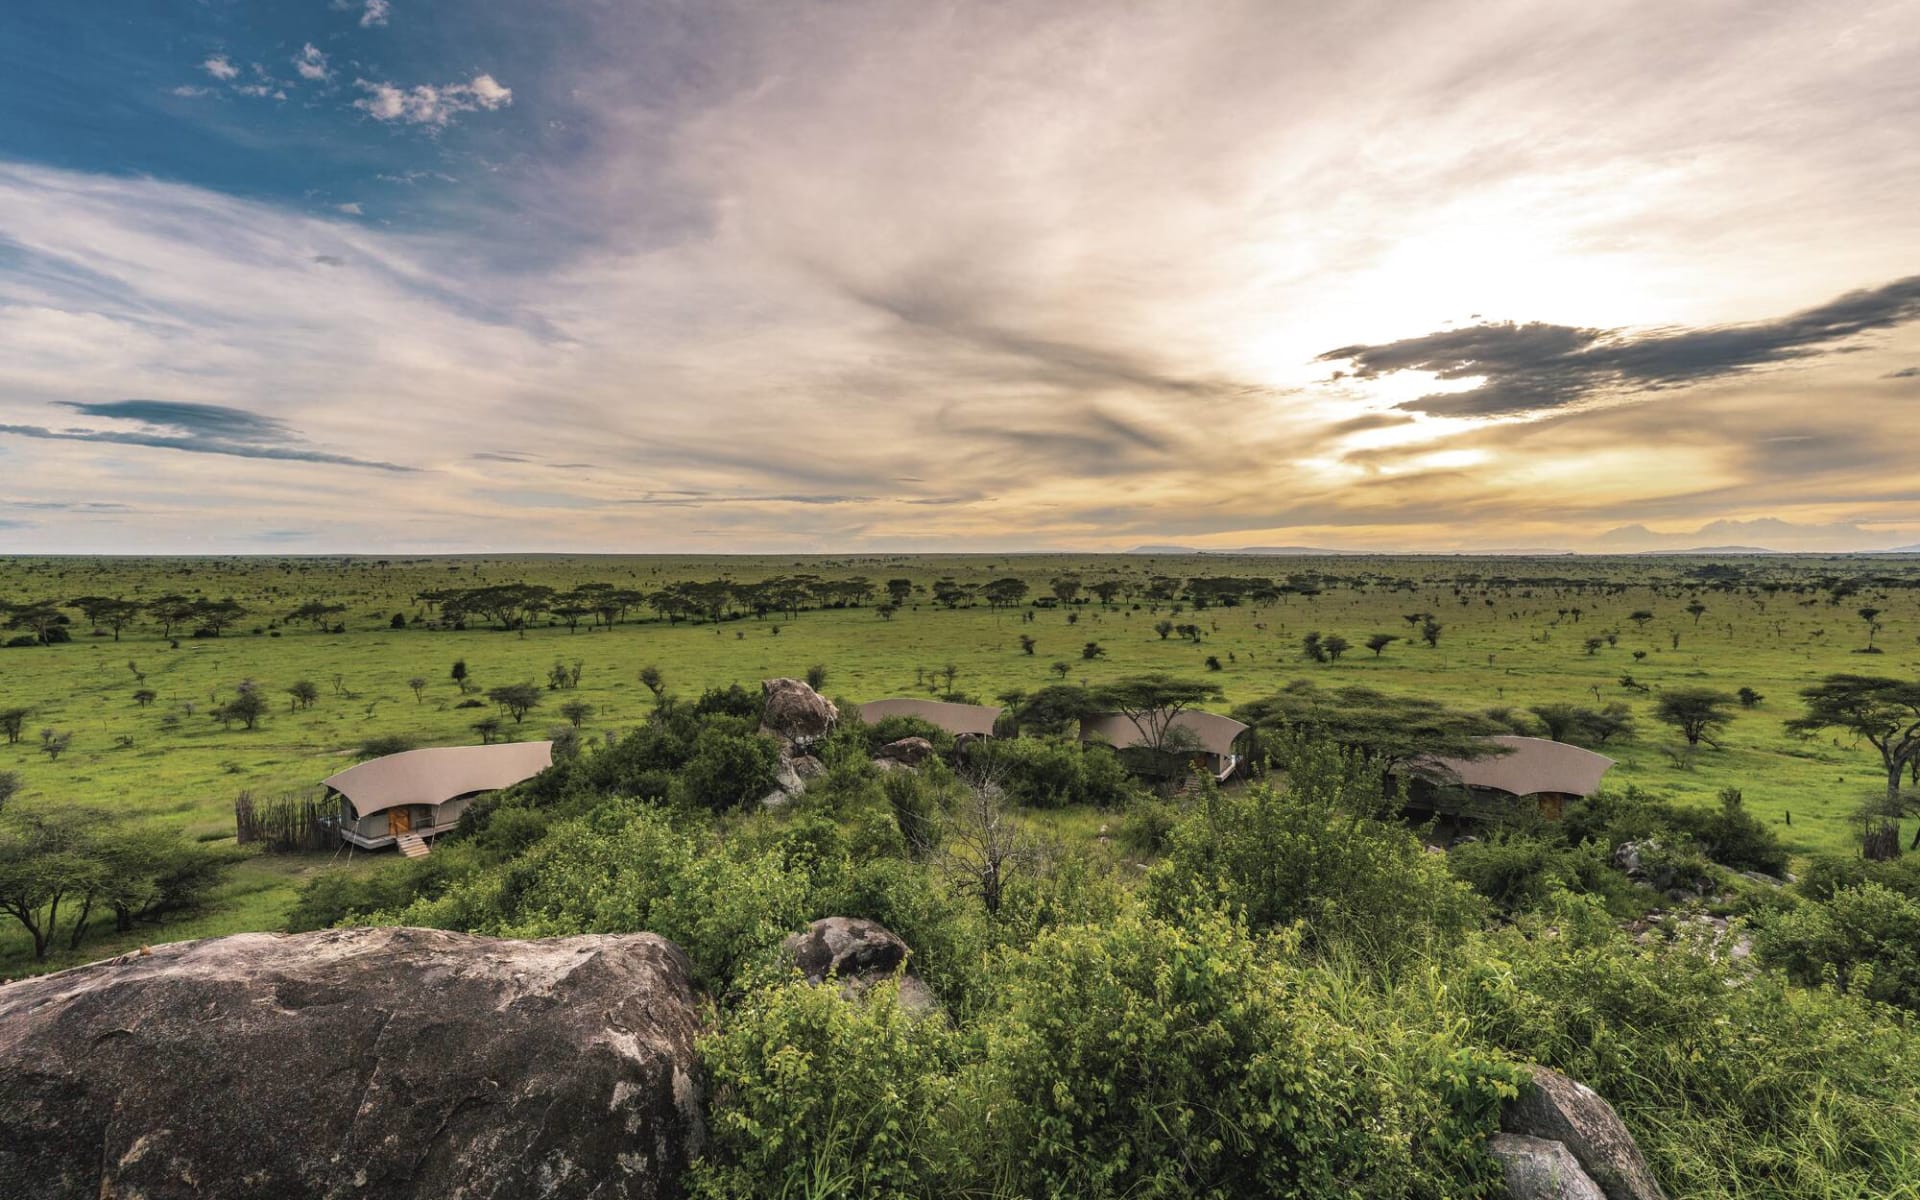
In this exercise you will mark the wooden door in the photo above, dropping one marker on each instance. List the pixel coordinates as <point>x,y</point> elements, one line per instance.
<point>399,821</point>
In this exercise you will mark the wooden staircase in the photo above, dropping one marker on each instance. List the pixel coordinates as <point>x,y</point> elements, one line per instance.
<point>412,845</point>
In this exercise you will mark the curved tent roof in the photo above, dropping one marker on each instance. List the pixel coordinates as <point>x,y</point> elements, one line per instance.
<point>957,719</point>
<point>1531,766</point>
<point>438,774</point>
<point>1213,732</point>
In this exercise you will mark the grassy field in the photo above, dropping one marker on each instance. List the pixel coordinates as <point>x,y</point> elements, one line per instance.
<point>1514,633</point>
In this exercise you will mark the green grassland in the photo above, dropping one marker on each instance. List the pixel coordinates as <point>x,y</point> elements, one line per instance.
<point>1511,636</point>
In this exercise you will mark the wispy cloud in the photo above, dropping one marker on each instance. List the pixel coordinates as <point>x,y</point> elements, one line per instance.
<point>865,274</point>
<point>196,428</point>
<point>375,14</point>
<point>220,67</point>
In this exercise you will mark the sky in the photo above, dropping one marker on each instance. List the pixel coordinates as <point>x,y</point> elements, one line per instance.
<point>409,276</point>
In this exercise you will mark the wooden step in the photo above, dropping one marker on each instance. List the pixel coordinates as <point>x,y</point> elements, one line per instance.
<point>412,845</point>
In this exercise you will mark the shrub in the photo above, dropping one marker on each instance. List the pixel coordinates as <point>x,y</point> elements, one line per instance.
<point>728,769</point>
<point>1867,937</point>
<point>814,1096</point>
<point>1046,773</point>
<point>1305,855</point>
<point>382,744</point>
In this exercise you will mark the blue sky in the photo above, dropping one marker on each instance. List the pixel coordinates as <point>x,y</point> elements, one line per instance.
<point>861,275</point>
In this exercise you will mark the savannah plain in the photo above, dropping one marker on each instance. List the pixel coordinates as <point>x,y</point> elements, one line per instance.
<point>1514,633</point>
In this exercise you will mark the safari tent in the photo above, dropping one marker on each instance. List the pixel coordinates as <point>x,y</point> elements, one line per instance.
<point>1549,773</point>
<point>960,720</point>
<point>404,799</point>
<point>1206,741</point>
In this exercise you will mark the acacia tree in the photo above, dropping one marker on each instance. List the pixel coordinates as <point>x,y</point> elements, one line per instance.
<point>12,722</point>
<point>1698,713</point>
<point>1005,593</point>
<point>517,698</point>
<point>1154,704</point>
<point>170,610</point>
<point>1390,731</point>
<point>1886,712</point>
<point>44,865</point>
<point>107,612</point>
<point>1379,642</point>
<point>1871,616</point>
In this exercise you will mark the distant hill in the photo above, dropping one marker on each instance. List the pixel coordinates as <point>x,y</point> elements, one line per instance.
<point>1913,549</point>
<point>1705,550</point>
<point>1276,551</point>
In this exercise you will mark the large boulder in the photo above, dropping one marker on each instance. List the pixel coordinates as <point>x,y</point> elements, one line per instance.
<point>386,1063</point>
<point>1554,1108</point>
<point>796,713</point>
<point>1534,1169</point>
<point>857,953</point>
<point>912,751</point>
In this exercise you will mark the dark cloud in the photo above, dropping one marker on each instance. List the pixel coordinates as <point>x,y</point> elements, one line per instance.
<point>1539,366</point>
<point>69,505</point>
<point>1906,373</point>
<point>195,428</point>
<point>497,456</point>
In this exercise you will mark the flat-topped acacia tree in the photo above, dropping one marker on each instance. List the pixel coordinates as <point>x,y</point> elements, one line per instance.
<point>1886,712</point>
<point>1154,703</point>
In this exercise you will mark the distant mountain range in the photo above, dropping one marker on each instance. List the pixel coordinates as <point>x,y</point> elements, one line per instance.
<point>1515,552</point>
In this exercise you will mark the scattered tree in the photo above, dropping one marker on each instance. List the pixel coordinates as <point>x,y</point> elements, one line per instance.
<point>1697,713</point>
<point>517,698</point>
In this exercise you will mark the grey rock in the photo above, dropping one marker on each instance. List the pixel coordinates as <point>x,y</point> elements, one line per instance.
<point>858,953</point>
<point>1536,1169</point>
<point>795,712</point>
<point>806,768</point>
<point>1555,1108</point>
<point>911,751</point>
<point>389,1063</point>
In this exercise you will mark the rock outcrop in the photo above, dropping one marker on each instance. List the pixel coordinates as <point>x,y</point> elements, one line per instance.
<point>1536,1169</point>
<point>795,713</point>
<point>384,1063</point>
<point>1555,1108</point>
<point>857,953</point>
<point>911,751</point>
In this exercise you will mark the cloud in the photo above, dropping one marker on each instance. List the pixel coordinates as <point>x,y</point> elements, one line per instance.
<point>311,63</point>
<point>1523,368</point>
<point>430,105</point>
<point>1068,269</point>
<point>197,428</point>
<point>220,67</point>
<point>1905,373</point>
<point>351,208</point>
<point>376,14</point>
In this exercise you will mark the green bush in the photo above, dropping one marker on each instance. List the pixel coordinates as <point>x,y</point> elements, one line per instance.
<point>1735,1083</point>
<point>728,769</point>
<point>1303,854</point>
<point>815,1096</point>
<point>1143,1058</point>
<point>1865,939</point>
<point>1054,773</point>
<point>1518,872</point>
